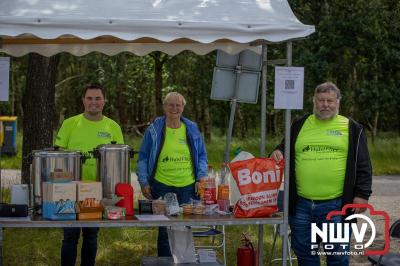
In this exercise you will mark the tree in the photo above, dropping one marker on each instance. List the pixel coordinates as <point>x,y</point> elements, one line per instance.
<point>159,60</point>
<point>38,106</point>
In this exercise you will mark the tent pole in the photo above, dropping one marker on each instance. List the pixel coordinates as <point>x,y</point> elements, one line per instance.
<point>262,142</point>
<point>284,232</point>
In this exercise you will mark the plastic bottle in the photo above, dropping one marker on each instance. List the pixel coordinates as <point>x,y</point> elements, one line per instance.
<point>210,190</point>
<point>223,189</point>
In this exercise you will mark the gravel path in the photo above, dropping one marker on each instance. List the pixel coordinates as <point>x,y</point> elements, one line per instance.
<point>385,197</point>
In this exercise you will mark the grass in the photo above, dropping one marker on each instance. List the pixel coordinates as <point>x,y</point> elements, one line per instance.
<point>385,155</point>
<point>13,162</point>
<point>116,246</point>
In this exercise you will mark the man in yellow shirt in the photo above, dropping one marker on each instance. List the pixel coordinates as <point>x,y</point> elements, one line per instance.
<point>84,132</point>
<point>329,168</point>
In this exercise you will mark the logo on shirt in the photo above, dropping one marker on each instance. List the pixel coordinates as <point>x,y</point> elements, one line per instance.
<point>334,133</point>
<point>319,149</point>
<point>105,135</point>
<point>182,141</point>
<point>178,159</point>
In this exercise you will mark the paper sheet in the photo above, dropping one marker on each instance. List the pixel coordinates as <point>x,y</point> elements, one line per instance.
<point>150,217</point>
<point>4,78</point>
<point>289,87</point>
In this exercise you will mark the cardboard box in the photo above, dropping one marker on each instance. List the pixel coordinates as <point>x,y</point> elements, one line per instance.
<point>50,212</point>
<point>89,213</point>
<point>59,191</point>
<point>90,190</point>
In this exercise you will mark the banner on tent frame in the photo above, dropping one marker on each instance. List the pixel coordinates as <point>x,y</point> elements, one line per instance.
<point>289,87</point>
<point>4,78</point>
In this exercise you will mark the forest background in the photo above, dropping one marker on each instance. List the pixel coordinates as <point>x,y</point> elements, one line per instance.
<point>356,45</point>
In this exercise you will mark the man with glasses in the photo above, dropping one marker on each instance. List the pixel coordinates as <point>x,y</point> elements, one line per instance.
<point>172,158</point>
<point>329,168</point>
<point>84,132</point>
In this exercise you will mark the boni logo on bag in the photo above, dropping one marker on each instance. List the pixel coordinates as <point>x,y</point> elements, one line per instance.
<point>333,233</point>
<point>258,181</point>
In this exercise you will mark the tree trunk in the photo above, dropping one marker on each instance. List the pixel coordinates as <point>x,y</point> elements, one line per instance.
<point>38,107</point>
<point>373,127</point>
<point>206,119</point>
<point>158,82</point>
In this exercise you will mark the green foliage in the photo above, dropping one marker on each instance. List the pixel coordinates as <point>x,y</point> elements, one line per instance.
<point>385,153</point>
<point>356,45</point>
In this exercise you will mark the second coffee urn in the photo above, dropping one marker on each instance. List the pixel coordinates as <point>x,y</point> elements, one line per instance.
<point>113,166</point>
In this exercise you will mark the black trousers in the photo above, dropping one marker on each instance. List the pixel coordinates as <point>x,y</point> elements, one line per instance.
<point>70,243</point>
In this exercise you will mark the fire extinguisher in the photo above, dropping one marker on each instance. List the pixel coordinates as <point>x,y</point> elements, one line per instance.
<point>246,254</point>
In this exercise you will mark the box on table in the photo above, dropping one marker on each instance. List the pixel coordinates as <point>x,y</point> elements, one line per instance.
<point>50,211</point>
<point>89,190</point>
<point>59,176</point>
<point>59,191</point>
<point>88,213</point>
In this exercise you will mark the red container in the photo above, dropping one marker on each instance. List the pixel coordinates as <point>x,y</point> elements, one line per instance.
<point>126,191</point>
<point>210,195</point>
<point>246,255</point>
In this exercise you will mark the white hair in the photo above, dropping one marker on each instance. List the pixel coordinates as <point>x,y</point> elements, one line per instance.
<point>174,94</point>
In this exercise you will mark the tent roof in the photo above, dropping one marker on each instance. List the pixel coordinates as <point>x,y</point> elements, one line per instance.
<point>143,26</point>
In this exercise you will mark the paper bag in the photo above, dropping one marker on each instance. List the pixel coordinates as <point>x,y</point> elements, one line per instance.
<point>181,244</point>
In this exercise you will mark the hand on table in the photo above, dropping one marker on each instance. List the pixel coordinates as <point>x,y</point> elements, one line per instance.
<point>146,191</point>
<point>277,156</point>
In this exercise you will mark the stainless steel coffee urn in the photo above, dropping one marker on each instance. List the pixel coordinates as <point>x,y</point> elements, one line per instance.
<point>113,166</point>
<point>48,161</point>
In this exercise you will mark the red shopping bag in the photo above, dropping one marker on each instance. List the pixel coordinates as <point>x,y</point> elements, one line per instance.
<point>258,181</point>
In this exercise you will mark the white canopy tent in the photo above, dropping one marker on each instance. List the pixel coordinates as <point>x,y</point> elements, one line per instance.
<point>48,27</point>
<point>79,27</point>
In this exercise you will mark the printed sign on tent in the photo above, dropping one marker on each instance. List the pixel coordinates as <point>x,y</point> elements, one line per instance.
<point>289,87</point>
<point>4,78</point>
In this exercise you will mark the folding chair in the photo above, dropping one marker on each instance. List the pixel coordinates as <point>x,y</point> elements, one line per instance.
<point>215,234</point>
<point>389,259</point>
<point>277,232</point>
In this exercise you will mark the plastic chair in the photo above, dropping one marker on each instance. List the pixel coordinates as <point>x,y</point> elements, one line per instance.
<point>277,232</point>
<point>214,233</point>
<point>388,259</point>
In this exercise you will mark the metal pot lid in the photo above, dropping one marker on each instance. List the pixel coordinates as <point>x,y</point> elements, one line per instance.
<point>49,153</point>
<point>113,147</point>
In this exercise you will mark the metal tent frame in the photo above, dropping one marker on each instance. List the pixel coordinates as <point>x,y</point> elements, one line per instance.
<point>49,27</point>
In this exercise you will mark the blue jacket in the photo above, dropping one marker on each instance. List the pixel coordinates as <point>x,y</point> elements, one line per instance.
<point>152,144</point>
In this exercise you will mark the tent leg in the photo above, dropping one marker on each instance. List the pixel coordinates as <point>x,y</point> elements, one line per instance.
<point>287,163</point>
<point>262,143</point>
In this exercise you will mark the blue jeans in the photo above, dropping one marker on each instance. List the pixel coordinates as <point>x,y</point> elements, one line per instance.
<point>70,243</point>
<point>307,212</point>
<point>184,194</point>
